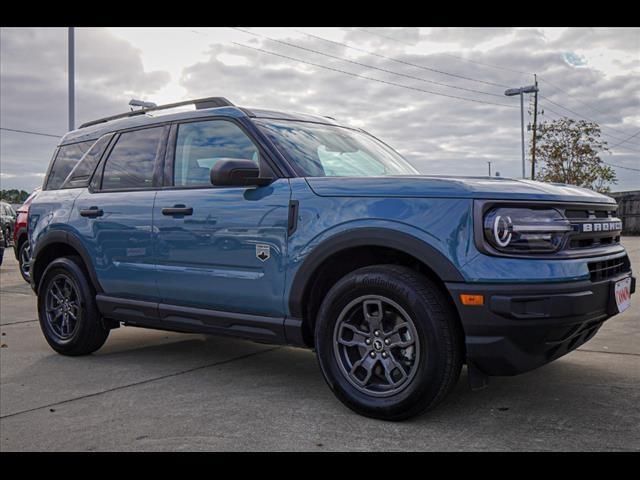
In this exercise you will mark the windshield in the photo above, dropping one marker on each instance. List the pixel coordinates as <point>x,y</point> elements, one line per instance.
<point>319,150</point>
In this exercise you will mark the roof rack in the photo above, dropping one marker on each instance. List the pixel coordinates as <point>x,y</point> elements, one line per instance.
<point>200,103</point>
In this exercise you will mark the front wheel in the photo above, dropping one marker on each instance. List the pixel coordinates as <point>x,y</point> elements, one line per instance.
<point>388,342</point>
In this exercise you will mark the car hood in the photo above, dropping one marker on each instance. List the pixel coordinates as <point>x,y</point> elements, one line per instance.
<point>454,187</point>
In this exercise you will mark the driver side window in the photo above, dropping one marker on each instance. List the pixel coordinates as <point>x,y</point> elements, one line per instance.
<point>199,145</point>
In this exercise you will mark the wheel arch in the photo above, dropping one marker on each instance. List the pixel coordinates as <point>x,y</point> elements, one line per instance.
<point>55,244</point>
<point>347,251</point>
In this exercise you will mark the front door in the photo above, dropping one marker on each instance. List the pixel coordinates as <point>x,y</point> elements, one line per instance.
<point>219,248</point>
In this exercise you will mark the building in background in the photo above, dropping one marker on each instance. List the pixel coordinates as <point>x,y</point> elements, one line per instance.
<point>629,211</point>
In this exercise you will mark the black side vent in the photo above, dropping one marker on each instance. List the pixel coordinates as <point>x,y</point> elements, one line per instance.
<point>605,269</point>
<point>293,216</point>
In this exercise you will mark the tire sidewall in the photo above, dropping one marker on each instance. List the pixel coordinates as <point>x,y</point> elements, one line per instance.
<point>88,309</point>
<point>424,386</point>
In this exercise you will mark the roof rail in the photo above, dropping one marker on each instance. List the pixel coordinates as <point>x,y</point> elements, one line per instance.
<point>200,103</point>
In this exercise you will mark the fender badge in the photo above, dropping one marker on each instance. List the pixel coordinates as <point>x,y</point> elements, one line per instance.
<point>263,252</point>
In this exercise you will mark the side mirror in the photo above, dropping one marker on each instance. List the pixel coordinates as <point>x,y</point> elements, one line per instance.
<point>236,172</point>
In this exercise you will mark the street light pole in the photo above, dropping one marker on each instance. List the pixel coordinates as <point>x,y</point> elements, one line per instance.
<point>535,125</point>
<point>521,91</point>
<point>71,74</point>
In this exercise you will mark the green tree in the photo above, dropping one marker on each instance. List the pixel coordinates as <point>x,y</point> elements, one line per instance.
<point>13,195</point>
<point>568,151</point>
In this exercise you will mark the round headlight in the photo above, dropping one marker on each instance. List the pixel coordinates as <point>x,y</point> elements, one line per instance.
<point>502,228</point>
<point>525,229</point>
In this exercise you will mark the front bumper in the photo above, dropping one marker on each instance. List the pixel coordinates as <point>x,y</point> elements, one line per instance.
<point>523,326</point>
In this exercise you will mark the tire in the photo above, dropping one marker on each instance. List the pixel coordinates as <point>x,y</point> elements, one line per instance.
<point>418,375</point>
<point>86,334</point>
<point>23,255</point>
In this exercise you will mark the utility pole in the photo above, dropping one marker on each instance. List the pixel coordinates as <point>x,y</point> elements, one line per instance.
<point>71,74</point>
<point>520,91</point>
<point>522,130</point>
<point>535,124</point>
<point>489,168</point>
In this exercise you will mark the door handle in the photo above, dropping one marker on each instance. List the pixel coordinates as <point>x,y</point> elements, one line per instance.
<point>177,210</point>
<point>92,212</point>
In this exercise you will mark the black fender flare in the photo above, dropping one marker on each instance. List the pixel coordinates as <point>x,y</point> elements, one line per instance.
<point>68,238</point>
<point>366,237</point>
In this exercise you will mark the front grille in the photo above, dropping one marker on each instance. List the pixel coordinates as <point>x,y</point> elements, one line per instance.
<point>593,217</point>
<point>587,212</point>
<point>605,269</point>
<point>593,242</point>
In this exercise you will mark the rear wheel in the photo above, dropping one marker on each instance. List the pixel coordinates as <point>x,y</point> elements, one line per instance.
<point>388,342</point>
<point>24,257</point>
<point>67,310</point>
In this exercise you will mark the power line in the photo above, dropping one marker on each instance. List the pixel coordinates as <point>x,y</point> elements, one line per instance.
<point>506,69</point>
<point>606,163</point>
<point>412,77</point>
<point>620,166</point>
<point>404,62</point>
<point>381,35</point>
<point>495,66</point>
<point>586,118</point>
<point>581,101</point>
<point>30,132</point>
<point>372,78</point>
<point>560,115</point>
<point>626,140</point>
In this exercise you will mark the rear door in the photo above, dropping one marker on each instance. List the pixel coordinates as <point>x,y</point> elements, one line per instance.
<point>219,248</point>
<point>114,216</point>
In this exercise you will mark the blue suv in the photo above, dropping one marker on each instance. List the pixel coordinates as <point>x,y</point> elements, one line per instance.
<point>293,229</point>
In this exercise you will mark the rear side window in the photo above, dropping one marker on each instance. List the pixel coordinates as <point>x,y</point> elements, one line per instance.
<point>200,145</point>
<point>67,158</point>
<point>81,174</point>
<point>131,161</point>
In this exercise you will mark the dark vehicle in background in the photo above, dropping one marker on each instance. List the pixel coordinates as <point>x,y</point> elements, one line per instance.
<point>7,220</point>
<point>21,246</point>
<point>1,246</point>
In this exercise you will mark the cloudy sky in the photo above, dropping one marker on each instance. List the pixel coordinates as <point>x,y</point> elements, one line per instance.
<point>435,94</point>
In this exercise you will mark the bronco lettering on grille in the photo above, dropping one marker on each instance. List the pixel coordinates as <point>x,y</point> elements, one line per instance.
<point>600,226</point>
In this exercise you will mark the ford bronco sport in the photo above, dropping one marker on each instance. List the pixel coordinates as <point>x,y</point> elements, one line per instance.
<point>293,229</point>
